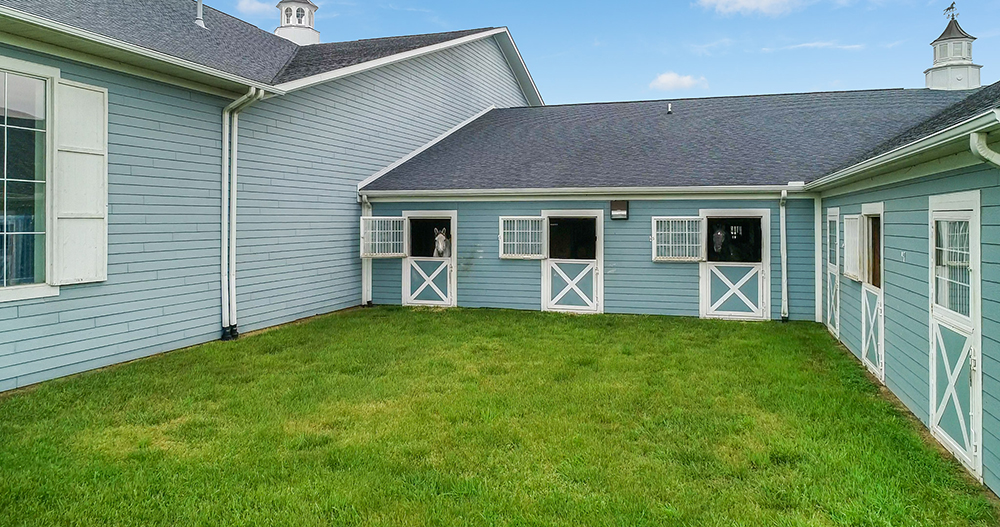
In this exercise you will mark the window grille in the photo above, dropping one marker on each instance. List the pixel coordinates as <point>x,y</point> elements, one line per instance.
<point>382,237</point>
<point>678,239</point>
<point>852,244</point>
<point>522,238</point>
<point>952,274</point>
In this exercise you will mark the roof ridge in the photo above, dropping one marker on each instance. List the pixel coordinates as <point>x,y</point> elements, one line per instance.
<point>244,22</point>
<point>475,29</point>
<point>714,97</point>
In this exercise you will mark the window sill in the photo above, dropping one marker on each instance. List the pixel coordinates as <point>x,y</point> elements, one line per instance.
<point>27,292</point>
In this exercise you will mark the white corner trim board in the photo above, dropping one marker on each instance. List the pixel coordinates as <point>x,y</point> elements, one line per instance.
<point>429,144</point>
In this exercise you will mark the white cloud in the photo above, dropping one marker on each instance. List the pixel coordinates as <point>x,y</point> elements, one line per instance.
<point>671,81</point>
<point>818,45</point>
<point>255,8</point>
<point>745,7</point>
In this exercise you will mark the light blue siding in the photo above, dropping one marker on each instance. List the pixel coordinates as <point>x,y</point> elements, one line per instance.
<point>906,288</point>
<point>162,291</point>
<point>302,156</point>
<point>633,283</point>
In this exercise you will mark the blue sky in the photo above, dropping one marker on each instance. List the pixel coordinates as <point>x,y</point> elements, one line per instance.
<point>627,50</point>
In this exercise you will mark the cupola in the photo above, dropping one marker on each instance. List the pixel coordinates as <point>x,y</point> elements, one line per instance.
<point>298,20</point>
<point>953,68</point>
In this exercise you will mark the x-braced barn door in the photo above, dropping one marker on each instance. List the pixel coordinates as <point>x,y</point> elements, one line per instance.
<point>571,272</point>
<point>872,292</point>
<point>833,272</point>
<point>734,279</point>
<point>429,277</point>
<point>955,332</point>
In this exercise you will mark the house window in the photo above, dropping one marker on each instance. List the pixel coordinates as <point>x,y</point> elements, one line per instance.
<point>288,15</point>
<point>678,239</point>
<point>952,272</point>
<point>23,179</point>
<point>735,240</point>
<point>522,238</point>
<point>831,240</point>
<point>300,15</point>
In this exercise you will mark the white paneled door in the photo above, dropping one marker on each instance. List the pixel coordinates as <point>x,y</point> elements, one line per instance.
<point>955,327</point>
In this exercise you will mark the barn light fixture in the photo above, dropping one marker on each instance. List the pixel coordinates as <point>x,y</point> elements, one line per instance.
<point>619,210</point>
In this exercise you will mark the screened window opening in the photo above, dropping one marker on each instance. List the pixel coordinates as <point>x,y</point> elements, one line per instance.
<point>522,238</point>
<point>678,239</point>
<point>423,237</point>
<point>874,251</point>
<point>735,240</point>
<point>22,183</point>
<point>952,274</point>
<point>831,241</point>
<point>382,237</point>
<point>573,238</point>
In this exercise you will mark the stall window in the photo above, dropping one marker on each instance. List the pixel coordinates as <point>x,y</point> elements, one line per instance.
<point>735,240</point>
<point>873,245</point>
<point>573,238</point>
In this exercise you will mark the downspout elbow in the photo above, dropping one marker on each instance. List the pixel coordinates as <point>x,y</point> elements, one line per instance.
<point>982,151</point>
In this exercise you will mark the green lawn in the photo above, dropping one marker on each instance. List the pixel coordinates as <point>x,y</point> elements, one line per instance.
<point>391,416</point>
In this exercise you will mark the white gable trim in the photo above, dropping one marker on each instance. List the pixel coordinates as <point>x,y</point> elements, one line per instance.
<point>530,91</point>
<point>417,152</point>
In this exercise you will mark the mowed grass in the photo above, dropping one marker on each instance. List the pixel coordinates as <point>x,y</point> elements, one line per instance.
<point>392,416</point>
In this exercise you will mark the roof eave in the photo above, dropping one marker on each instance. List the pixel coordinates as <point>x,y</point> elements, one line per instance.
<point>140,56</point>
<point>582,192</point>
<point>899,157</point>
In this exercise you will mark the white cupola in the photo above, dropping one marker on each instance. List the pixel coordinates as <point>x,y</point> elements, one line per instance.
<point>298,20</point>
<point>953,68</point>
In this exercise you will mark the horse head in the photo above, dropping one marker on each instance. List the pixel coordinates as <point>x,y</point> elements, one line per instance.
<point>442,248</point>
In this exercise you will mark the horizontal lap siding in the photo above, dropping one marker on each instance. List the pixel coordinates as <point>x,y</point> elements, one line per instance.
<point>162,291</point>
<point>907,346</point>
<point>633,283</point>
<point>302,156</point>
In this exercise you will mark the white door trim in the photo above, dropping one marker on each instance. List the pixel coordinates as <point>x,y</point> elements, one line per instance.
<point>598,215</point>
<point>942,207</point>
<point>869,210</point>
<point>833,274</point>
<point>452,265</point>
<point>705,273</point>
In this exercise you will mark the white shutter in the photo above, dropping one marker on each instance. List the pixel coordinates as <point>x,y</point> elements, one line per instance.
<point>852,246</point>
<point>679,239</point>
<point>80,184</point>
<point>522,237</point>
<point>382,237</point>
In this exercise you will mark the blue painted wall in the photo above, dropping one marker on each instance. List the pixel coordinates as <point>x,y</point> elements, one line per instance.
<point>633,283</point>
<point>162,291</point>
<point>906,288</point>
<point>302,156</point>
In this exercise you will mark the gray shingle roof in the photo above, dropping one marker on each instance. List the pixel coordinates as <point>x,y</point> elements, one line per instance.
<point>227,44</point>
<point>321,58</point>
<point>724,141</point>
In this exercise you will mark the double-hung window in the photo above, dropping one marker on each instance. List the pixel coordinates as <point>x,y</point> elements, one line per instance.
<point>25,129</point>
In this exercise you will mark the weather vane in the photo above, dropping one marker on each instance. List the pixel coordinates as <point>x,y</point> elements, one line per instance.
<point>951,12</point>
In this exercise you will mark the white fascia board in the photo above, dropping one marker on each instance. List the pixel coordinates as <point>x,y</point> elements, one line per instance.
<point>131,48</point>
<point>983,121</point>
<point>729,192</point>
<point>417,152</point>
<point>384,61</point>
<point>519,69</point>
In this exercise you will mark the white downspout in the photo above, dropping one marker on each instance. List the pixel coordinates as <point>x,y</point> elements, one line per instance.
<point>784,259</point>
<point>818,255</point>
<point>226,113</point>
<point>366,263</point>
<point>977,142</point>
<point>258,94</point>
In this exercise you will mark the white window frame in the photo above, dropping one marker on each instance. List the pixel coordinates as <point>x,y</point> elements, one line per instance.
<point>51,76</point>
<point>852,247</point>
<point>365,233</point>
<point>543,233</point>
<point>702,239</point>
<point>870,210</point>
